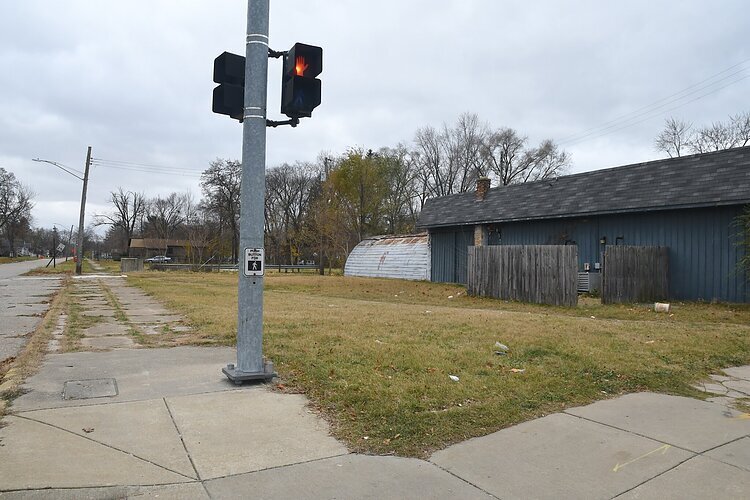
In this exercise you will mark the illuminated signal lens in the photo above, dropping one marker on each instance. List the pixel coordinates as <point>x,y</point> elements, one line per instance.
<point>300,67</point>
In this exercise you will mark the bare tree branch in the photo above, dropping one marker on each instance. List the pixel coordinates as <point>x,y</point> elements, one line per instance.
<point>674,138</point>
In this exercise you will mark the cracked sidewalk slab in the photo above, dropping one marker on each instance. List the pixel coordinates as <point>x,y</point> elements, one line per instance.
<point>157,441</point>
<point>248,430</point>
<point>698,477</point>
<point>36,455</point>
<point>558,456</point>
<point>167,492</point>
<point>141,428</point>
<point>349,476</point>
<point>691,424</point>
<point>140,374</point>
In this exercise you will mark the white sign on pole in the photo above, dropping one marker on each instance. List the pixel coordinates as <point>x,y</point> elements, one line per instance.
<point>60,247</point>
<point>253,262</point>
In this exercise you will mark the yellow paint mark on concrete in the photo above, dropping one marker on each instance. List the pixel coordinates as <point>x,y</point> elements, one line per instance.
<point>663,449</point>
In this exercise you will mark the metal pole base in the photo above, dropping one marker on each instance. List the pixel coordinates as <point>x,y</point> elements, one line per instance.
<point>238,377</point>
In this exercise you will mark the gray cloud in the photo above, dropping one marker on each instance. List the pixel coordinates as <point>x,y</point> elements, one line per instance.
<point>133,79</point>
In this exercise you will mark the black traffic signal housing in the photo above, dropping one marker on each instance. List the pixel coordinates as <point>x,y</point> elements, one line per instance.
<point>300,90</point>
<point>229,96</point>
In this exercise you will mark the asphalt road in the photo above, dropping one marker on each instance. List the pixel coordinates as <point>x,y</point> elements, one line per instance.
<point>23,302</point>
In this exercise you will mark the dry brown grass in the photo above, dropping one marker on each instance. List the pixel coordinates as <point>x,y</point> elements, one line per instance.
<point>375,355</point>
<point>61,267</point>
<point>8,260</point>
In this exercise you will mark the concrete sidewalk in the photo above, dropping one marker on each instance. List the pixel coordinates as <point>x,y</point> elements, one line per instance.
<point>166,423</point>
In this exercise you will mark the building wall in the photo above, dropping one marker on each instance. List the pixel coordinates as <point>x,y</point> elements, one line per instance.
<point>449,251</point>
<point>703,246</point>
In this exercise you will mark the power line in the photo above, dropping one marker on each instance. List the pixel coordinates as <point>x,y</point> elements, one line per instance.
<point>618,127</point>
<point>617,123</point>
<point>144,167</point>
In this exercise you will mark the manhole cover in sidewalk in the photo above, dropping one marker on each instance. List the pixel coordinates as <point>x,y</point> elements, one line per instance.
<point>87,389</point>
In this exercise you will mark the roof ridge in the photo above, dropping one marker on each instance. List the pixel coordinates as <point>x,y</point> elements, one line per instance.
<point>702,179</point>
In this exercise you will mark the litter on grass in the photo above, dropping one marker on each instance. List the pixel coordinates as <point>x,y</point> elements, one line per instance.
<point>517,370</point>
<point>502,347</point>
<point>453,378</point>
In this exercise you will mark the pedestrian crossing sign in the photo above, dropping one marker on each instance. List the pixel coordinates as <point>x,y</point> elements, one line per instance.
<point>253,262</point>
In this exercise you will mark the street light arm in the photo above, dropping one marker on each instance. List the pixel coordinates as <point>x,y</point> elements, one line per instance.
<point>64,169</point>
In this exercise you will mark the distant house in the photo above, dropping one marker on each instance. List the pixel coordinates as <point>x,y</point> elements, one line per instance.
<point>178,250</point>
<point>689,204</point>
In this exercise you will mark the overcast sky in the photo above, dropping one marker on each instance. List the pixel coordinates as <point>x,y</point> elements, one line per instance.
<point>134,80</point>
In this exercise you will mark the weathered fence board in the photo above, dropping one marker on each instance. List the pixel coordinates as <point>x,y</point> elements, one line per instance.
<point>543,274</point>
<point>635,274</point>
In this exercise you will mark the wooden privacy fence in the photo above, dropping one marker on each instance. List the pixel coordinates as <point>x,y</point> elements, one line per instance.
<point>635,274</point>
<point>543,274</point>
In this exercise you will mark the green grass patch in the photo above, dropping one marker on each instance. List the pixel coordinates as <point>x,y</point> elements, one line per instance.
<point>375,355</point>
<point>76,323</point>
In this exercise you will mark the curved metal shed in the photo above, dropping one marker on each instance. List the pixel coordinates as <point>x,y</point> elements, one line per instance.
<point>403,257</point>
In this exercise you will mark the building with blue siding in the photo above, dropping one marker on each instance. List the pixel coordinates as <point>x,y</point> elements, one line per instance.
<point>689,204</point>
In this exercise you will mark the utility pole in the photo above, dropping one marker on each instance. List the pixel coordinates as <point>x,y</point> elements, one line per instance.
<point>79,242</point>
<point>54,247</point>
<point>250,362</point>
<point>70,237</point>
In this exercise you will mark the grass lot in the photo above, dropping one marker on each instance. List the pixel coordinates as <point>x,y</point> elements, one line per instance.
<point>375,355</point>
<point>7,260</point>
<point>61,267</point>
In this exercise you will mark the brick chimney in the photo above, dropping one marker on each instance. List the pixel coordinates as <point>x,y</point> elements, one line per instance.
<point>483,185</point>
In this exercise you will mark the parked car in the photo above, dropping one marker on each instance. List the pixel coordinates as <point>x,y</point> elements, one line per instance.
<point>159,259</point>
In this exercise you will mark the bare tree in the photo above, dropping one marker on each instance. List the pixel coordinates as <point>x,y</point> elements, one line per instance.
<point>674,138</point>
<point>129,210</point>
<point>503,150</point>
<point>437,176</point>
<point>511,161</point>
<point>466,142</point>
<point>166,215</point>
<point>741,125</point>
<point>450,160</point>
<point>549,162</point>
<point>288,191</point>
<point>16,201</point>
<point>221,188</point>
<point>715,137</point>
<point>399,209</point>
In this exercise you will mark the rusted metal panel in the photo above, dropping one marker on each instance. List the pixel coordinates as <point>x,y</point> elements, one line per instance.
<point>402,257</point>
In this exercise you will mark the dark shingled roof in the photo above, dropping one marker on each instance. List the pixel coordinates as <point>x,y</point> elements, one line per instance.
<point>710,179</point>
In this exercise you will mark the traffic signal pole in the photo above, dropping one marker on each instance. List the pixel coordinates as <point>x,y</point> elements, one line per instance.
<point>250,362</point>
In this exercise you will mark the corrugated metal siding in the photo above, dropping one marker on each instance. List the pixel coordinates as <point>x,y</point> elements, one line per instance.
<point>403,257</point>
<point>450,251</point>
